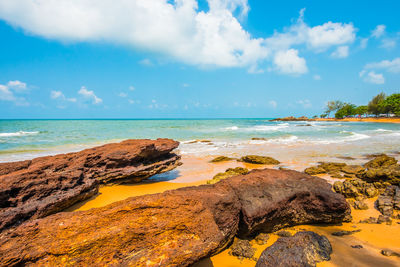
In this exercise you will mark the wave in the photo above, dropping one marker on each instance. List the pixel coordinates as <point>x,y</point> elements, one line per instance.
<point>232,128</point>
<point>19,133</point>
<point>382,130</point>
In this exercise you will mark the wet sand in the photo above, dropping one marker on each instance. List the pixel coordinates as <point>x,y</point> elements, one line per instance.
<point>197,170</point>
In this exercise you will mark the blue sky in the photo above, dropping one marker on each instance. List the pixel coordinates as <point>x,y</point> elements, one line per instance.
<point>189,59</point>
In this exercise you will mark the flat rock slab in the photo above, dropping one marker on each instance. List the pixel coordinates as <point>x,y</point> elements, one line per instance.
<point>42,186</point>
<point>177,227</point>
<point>303,249</point>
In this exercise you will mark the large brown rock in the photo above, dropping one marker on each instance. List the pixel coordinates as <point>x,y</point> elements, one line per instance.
<point>177,227</point>
<point>42,186</point>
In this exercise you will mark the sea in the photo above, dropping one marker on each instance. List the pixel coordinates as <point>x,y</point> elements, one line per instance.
<point>300,141</point>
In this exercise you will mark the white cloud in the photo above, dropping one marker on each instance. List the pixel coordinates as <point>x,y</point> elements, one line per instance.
<point>175,29</point>
<point>17,85</point>
<point>60,95</point>
<point>10,91</point>
<point>372,77</point>
<point>131,101</point>
<point>317,77</point>
<point>341,52</point>
<point>272,103</point>
<point>363,43</point>
<point>389,43</point>
<point>388,65</point>
<point>289,62</point>
<point>378,31</point>
<point>122,94</point>
<point>89,94</point>
<point>131,88</point>
<point>305,103</point>
<point>146,62</point>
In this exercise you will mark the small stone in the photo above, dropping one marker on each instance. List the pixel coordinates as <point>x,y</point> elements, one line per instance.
<point>357,246</point>
<point>284,234</point>
<point>262,239</point>
<point>343,233</point>
<point>360,205</point>
<point>388,253</point>
<point>370,220</point>
<point>242,249</point>
<point>220,159</point>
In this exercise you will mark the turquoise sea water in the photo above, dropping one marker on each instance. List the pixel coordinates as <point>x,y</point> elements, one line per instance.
<point>23,139</point>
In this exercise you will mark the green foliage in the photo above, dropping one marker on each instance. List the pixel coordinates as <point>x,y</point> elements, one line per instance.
<point>346,110</point>
<point>375,106</point>
<point>323,115</point>
<point>392,104</point>
<point>361,110</point>
<point>333,106</point>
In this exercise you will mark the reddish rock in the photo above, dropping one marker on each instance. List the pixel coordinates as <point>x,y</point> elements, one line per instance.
<point>177,227</point>
<point>42,186</point>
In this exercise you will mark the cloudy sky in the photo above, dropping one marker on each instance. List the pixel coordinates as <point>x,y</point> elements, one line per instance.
<point>193,59</point>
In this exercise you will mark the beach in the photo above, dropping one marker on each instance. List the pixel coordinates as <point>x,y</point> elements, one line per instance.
<point>297,145</point>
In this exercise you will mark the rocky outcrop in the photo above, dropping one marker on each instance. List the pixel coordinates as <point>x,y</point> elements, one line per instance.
<point>221,159</point>
<point>353,188</point>
<point>174,228</point>
<point>382,169</point>
<point>302,249</point>
<point>42,186</point>
<point>254,159</point>
<point>291,118</point>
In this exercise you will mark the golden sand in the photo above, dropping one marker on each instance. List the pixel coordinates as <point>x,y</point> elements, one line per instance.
<point>196,171</point>
<point>385,120</point>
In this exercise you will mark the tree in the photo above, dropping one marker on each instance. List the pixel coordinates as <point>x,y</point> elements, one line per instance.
<point>333,106</point>
<point>375,106</point>
<point>392,104</point>
<point>361,110</point>
<point>346,110</point>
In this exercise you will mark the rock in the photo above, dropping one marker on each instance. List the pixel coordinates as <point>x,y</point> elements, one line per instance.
<point>370,220</point>
<point>357,246</point>
<point>242,249</point>
<point>346,158</point>
<point>342,233</point>
<point>336,175</point>
<point>177,227</point>
<point>388,253</point>
<point>384,219</point>
<point>42,186</point>
<point>389,200</point>
<point>259,138</point>
<point>284,233</point>
<point>261,239</point>
<point>314,170</point>
<point>352,169</point>
<point>254,159</point>
<point>302,249</point>
<point>353,188</point>
<point>360,205</point>
<point>380,161</point>
<point>384,175</point>
<point>221,158</point>
<point>228,173</point>
<point>332,166</point>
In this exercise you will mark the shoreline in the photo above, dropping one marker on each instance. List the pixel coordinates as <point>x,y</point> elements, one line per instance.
<point>379,120</point>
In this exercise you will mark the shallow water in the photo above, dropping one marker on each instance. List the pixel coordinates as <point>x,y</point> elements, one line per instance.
<point>25,139</point>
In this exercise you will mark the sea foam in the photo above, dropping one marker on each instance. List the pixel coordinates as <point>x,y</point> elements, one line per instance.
<point>19,133</point>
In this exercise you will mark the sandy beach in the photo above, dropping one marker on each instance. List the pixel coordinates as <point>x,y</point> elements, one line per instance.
<point>380,120</point>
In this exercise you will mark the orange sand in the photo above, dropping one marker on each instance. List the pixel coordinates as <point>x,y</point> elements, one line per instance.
<point>196,171</point>
<point>386,120</point>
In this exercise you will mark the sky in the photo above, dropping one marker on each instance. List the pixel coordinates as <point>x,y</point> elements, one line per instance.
<point>63,59</point>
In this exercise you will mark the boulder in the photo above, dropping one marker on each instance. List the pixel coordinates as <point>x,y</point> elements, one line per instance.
<point>314,170</point>
<point>332,166</point>
<point>353,188</point>
<point>380,161</point>
<point>254,159</point>
<point>352,169</point>
<point>302,249</point>
<point>42,186</point>
<point>228,173</point>
<point>177,227</point>
<point>389,200</point>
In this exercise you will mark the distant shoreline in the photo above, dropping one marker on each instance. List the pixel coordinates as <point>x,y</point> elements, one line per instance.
<point>382,120</point>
